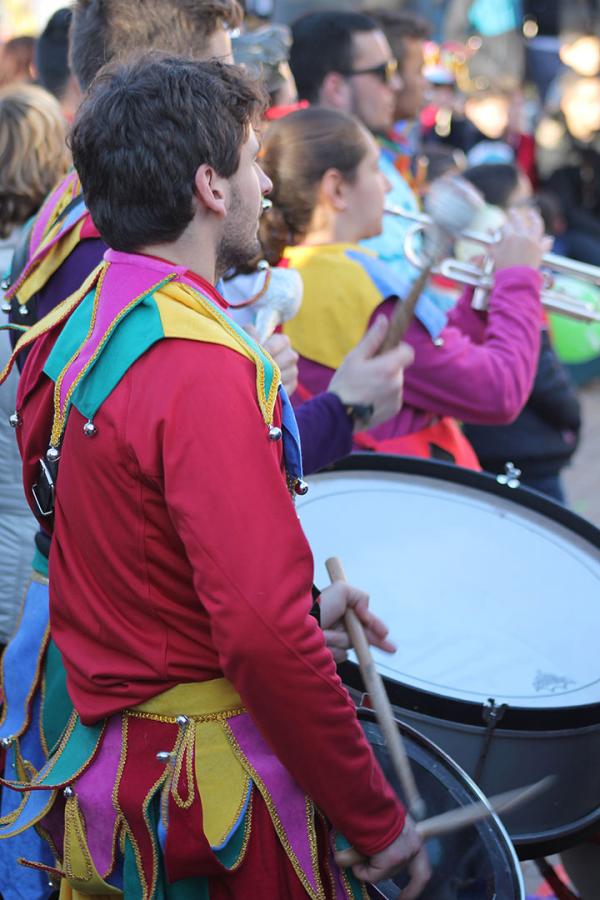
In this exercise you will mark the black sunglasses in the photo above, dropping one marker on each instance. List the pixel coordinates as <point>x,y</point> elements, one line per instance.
<point>384,72</point>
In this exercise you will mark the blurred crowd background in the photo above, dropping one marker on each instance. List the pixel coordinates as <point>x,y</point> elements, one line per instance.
<point>506,89</point>
<point>497,82</point>
<point>485,82</point>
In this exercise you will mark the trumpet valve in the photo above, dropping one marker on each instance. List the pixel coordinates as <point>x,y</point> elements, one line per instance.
<point>482,291</point>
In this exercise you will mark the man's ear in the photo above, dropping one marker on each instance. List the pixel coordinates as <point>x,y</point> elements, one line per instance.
<point>335,92</point>
<point>332,190</point>
<point>211,189</point>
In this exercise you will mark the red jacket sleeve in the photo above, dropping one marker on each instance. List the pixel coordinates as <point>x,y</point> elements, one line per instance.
<point>229,503</point>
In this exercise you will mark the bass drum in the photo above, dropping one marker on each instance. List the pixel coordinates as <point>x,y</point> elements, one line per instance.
<point>492,595</point>
<point>477,862</point>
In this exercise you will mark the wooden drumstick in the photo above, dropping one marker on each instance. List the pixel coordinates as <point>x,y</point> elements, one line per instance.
<point>455,819</point>
<point>404,312</point>
<point>381,704</point>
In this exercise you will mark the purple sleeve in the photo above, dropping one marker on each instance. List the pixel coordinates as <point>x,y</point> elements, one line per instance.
<point>71,274</point>
<point>64,282</point>
<point>325,432</point>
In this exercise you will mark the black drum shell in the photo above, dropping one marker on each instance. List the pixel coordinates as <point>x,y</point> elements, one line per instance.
<point>527,743</point>
<point>481,852</point>
<point>560,817</point>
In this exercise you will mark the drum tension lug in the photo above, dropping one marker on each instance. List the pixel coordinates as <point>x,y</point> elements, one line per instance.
<point>492,715</point>
<point>510,477</point>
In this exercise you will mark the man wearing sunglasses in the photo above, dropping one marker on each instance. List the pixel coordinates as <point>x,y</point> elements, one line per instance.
<point>343,60</point>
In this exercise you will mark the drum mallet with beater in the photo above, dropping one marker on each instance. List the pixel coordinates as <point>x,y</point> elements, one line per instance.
<point>280,298</point>
<point>280,301</point>
<point>451,204</point>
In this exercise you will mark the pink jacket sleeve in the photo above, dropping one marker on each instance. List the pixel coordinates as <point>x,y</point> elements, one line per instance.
<point>484,370</point>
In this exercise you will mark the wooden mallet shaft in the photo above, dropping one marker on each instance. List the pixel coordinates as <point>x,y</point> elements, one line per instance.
<point>404,312</point>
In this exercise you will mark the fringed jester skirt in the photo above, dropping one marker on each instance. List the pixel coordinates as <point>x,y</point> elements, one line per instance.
<point>178,798</point>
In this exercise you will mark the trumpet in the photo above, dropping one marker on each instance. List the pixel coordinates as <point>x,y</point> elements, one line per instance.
<point>481,277</point>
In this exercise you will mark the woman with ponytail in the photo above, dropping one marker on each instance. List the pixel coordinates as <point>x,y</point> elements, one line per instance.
<point>328,194</point>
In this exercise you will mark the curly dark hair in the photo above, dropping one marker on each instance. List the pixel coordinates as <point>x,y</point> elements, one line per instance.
<point>143,131</point>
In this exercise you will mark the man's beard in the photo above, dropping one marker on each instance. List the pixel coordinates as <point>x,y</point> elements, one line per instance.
<point>239,244</point>
<point>235,252</point>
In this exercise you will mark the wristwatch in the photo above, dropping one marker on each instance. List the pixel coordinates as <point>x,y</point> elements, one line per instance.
<point>359,413</point>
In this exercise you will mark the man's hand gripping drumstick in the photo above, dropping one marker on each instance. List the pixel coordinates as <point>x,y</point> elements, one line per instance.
<point>334,601</point>
<point>372,376</point>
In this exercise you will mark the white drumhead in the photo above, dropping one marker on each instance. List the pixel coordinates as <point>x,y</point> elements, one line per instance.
<point>483,597</point>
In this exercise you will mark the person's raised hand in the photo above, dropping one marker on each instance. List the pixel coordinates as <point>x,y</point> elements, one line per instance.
<point>334,601</point>
<point>523,241</point>
<point>370,380</point>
